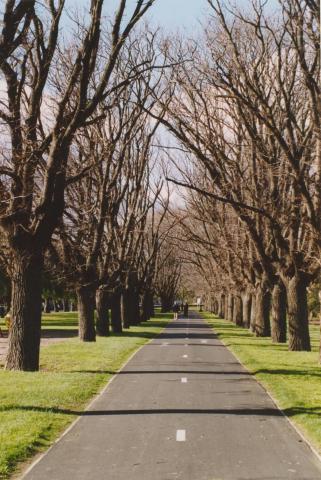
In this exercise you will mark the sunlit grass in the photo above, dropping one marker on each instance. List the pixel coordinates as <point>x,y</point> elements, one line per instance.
<point>293,378</point>
<point>36,407</point>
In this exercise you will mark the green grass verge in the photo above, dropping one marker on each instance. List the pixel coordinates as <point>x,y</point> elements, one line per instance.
<point>292,378</point>
<point>36,407</point>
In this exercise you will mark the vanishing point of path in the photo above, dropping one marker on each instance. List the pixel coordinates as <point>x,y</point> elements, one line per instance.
<point>182,408</point>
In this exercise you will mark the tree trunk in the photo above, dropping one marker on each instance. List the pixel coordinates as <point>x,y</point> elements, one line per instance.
<point>221,306</point>
<point>86,314</point>
<point>47,306</point>
<point>230,307</point>
<point>319,295</point>
<point>226,307</point>
<point>216,307</point>
<point>262,312</point>
<point>167,304</point>
<point>26,306</point>
<point>56,306</point>
<point>102,321</point>
<point>116,313</point>
<point>135,309</point>
<point>237,311</point>
<point>246,303</point>
<point>299,336</point>
<point>278,317</point>
<point>66,305</point>
<point>253,313</point>
<point>148,306</point>
<point>126,309</point>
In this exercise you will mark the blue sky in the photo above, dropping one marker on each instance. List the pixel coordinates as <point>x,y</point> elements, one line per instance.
<point>171,14</point>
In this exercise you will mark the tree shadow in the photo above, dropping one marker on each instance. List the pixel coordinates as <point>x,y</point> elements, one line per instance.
<point>57,333</point>
<point>162,372</point>
<point>296,372</point>
<point>247,411</point>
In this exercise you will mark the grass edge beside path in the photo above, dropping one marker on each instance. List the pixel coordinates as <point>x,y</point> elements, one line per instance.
<point>291,378</point>
<point>36,408</point>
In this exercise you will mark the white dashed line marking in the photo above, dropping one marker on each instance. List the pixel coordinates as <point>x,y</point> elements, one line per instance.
<point>185,356</point>
<point>204,341</point>
<point>181,436</point>
<point>184,380</point>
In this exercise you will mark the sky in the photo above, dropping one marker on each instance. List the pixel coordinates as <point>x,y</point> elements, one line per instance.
<point>171,14</point>
<point>185,15</point>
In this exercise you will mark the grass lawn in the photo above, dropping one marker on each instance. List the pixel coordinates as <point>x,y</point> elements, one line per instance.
<point>36,407</point>
<point>293,378</point>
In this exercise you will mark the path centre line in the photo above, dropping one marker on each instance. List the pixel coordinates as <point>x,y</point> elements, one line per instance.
<point>181,436</point>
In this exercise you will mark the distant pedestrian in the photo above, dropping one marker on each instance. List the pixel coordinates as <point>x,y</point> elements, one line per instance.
<point>175,310</point>
<point>186,310</point>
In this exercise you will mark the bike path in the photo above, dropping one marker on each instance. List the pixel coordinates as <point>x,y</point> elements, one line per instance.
<point>182,408</point>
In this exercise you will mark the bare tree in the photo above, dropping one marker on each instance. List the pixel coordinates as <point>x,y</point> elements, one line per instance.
<point>34,172</point>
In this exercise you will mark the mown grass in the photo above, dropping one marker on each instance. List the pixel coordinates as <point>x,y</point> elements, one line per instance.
<point>293,378</point>
<point>36,407</point>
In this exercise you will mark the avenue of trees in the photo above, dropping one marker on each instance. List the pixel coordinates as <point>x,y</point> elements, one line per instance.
<point>247,114</point>
<point>85,212</point>
<point>81,193</point>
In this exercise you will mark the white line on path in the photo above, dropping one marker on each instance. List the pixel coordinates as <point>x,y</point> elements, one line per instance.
<point>185,356</point>
<point>184,380</point>
<point>204,341</point>
<point>180,435</point>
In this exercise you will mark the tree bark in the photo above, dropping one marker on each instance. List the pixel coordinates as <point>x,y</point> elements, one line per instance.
<point>116,313</point>
<point>86,313</point>
<point>237,311</point>
<point>47,306</point>
<point>216,306</point>
<point>226,307</point>
<point>221,306</point>
<point>246,304</point>
<point>278,316</point>
<point>299,336</point>
<point>135,309</point>
<point>26,307</point>
<point>262,312</point>
<point>230,307</point>
<point>167,304</point>
<point>56,306</point>
<point>148,306</point>
<point>102,321</point>
<point>253,313</point>
<point>126,309</point>
<point>66,305</point>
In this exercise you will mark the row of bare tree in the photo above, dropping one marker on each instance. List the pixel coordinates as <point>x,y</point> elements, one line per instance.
<point>80,167</point>
<point>80,177</point>
<point>246,112</point>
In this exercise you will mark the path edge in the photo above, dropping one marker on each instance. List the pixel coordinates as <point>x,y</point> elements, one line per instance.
<point>40,456</point>
<point>274,400</point>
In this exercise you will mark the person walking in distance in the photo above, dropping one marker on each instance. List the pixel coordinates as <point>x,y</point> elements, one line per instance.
<point>175,310</point>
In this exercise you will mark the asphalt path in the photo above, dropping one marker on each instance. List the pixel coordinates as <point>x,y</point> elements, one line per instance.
<point>182,408</point>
